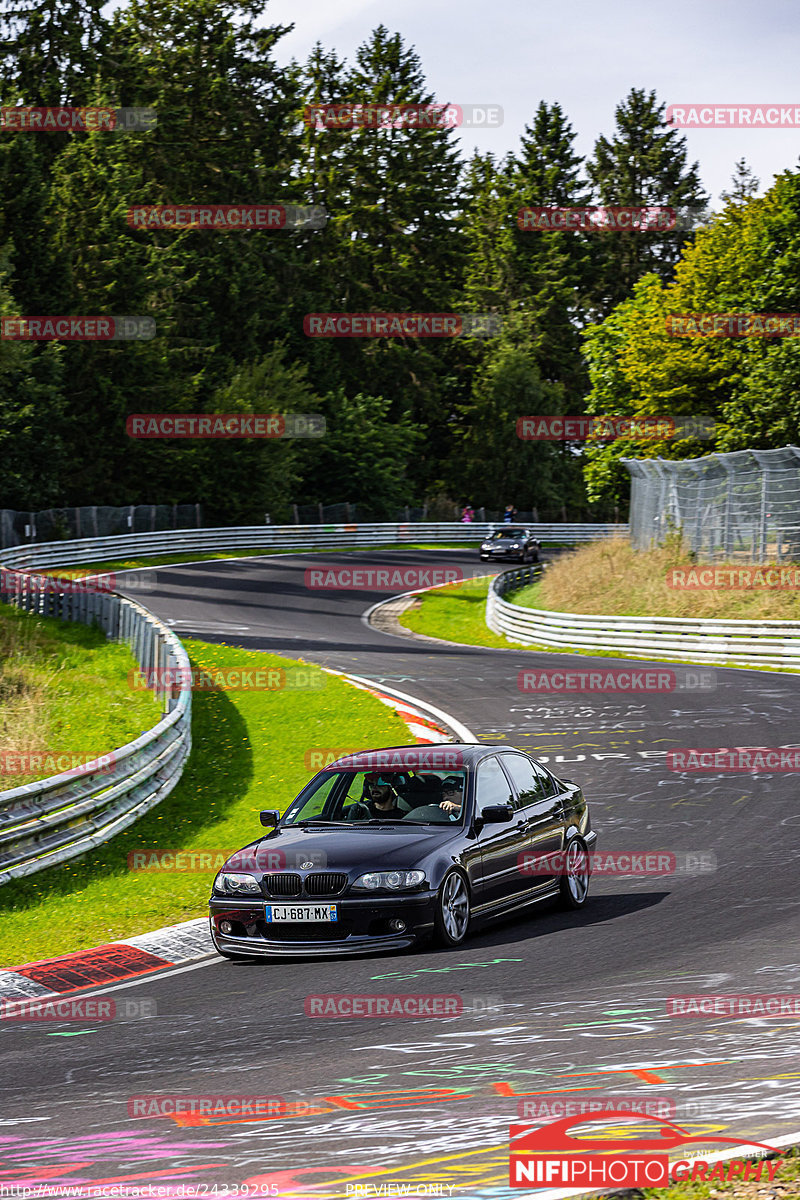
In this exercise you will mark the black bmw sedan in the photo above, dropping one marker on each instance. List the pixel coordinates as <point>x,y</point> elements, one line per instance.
<point>511,542</point>
<point>381,852</point>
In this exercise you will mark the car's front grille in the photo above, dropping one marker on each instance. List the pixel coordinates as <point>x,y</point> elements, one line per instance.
<point>326,883</point>
<point>320,883</point>
<point>283,885</point>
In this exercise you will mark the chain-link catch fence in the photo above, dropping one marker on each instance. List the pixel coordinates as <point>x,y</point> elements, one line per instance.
<point>740,506</point>
<point>62,524</point>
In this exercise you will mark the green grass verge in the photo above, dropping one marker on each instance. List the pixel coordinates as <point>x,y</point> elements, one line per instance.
<point>248,753</point>
<point>785,1186</point>
<point>456,613</point>
<point>64,690</point>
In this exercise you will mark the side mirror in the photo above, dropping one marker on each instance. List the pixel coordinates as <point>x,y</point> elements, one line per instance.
<point>496,814</point>
<point>270,818</point>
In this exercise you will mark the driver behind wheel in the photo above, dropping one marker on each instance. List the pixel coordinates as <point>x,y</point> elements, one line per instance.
<point>379,800</point>
<point>452,794</point>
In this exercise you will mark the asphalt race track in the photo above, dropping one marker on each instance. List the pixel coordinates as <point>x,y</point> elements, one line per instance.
<point>577,1002</point>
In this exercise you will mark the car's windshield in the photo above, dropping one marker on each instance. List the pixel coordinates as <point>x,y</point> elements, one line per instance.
<point>375,798</point>
<point>508,533</point>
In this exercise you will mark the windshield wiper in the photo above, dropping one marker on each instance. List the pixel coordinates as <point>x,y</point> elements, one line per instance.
<point>382,821</point>
<point>316,821</point>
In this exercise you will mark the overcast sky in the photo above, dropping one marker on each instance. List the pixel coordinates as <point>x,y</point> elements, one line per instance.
<point>587,55</point>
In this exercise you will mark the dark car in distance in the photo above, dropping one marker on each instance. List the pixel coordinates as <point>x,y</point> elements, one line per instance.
<point>373,858</point>
<point>512,541</point>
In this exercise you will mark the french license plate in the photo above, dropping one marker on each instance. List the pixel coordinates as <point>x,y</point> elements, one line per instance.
<point>301,912</point>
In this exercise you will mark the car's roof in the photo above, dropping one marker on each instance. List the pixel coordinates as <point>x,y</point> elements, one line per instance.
<point>439,756</point>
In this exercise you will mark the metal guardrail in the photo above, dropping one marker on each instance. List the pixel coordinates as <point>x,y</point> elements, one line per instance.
<point>280,537</point>
<point>55,819</point>
<point>741,643</point>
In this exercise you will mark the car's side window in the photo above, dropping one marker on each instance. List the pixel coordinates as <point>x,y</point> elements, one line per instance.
<point>491,785</point>
<point>550,785</point>
<point>528,780</point>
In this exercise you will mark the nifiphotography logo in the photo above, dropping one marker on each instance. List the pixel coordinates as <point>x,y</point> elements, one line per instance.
<point>549,1155</point>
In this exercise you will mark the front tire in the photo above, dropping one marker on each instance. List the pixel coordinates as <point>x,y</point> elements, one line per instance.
<point>452,910</point>
<point>574,883</point>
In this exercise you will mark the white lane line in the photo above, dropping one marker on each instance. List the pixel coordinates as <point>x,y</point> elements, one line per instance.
<point>461,731</point>
<point>208,626</point>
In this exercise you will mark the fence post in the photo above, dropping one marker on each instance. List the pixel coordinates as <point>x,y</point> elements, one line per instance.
<point>762,521</point>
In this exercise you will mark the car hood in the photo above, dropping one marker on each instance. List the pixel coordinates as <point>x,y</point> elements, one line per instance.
<point>340,849</point>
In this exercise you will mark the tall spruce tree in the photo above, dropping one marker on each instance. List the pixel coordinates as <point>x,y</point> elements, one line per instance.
<point>33,449</point>
<point>224,136</point>
<point>744,184</point>
<point>643,164</point>
<point>392,242</point>
<point>51,53</point>
<point>552,268</point>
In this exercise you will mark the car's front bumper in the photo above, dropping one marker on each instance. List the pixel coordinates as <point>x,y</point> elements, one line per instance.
<point>362,927</point>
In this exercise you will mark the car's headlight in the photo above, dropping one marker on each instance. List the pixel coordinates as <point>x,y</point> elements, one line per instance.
<point>486,545</point>
<point>393,881</point>
<point>236,883</point>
